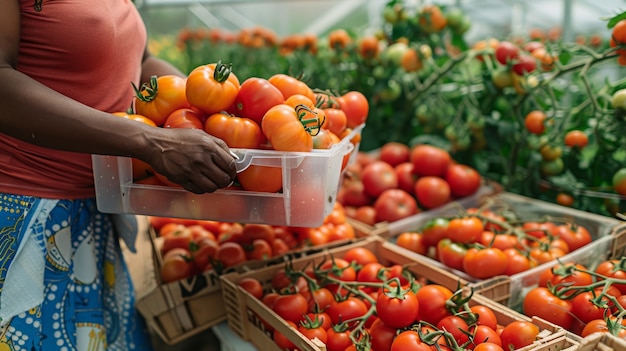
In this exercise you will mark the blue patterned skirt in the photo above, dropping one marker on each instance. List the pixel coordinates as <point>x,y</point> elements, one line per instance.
<point>63,282</point>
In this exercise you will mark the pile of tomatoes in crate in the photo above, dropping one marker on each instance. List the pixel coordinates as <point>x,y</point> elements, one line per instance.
<point>402,180</point>
<point>581,300</point>
<point>190,247</point>
<point>355,302</point>
<point>280,113</point>
<point>484,243</point>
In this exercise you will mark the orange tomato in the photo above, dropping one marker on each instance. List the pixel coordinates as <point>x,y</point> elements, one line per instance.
<point>212,88</point>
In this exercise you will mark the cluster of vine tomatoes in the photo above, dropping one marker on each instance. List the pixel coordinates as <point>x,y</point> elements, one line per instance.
<point>581,300</point>
<point>484,243</point>
<point>279,113</point>
<point>190,247</point>
<point>401,180</point>
<point>354,301</point>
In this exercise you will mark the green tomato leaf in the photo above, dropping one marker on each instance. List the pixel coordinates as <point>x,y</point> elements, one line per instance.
<point>613,20</point>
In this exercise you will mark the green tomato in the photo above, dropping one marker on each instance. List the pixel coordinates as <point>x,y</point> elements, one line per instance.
<point>551,168</point>
<point>392,91</point>
<point>619,181</point>
<point>618,100</point>
<point>394,52</point>
<point>455,17</point>
<point>502,78</point>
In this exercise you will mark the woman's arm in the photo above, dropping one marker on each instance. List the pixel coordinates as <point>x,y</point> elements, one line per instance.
<point>31,112</point>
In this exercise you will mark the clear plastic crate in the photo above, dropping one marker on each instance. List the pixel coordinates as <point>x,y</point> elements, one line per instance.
<point>310,184</point>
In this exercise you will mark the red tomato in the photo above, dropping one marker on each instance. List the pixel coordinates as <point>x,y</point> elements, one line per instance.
<point>204,253</point>
<point>311,331</point>
<point>434,230</point>
<point>408,340</point>
<point>611,269</point>
<point>159,98</point>
<point>394,153</point>
<point>506,51</point>
<point>517,262</point>
<point>542,303</point>
<point>184,118</point>
<point>486,316</point>
<point>335,120</point>
<point>484,263</point>
<point>347,309</point>
<point>377,177</point>
<point>176,267</point>
<point>576,236</point>
<point>212,88</point>
<point>366,214</point>
<point>432,300</point>
<point>429,160</point>
<point>397,308</point>
<point>456,326</point>
<point>488,346</point>
<point>237,132</point>
<point>360,255</point>
<point>406,177</point>
<point>321,299</point>
<point>256,96</point>
<point>393,205</point>
<point>181,239</point>
<point>259,249</point>
<point>584,309</point>
<point>230,254</point>
<point>432,191</point>
<point>525,64</point>
<point>282,341</point>
<point>451,253</point>
<point>289,86</point>
<point>291,307</point>
<point>518,334</point>
<point>412,241</point>
<point>252,286</point>
<point>382,336</point>
<point>465,229</point>
<point>463,180</point>
<point>356,108</point>
<point>338,340</point>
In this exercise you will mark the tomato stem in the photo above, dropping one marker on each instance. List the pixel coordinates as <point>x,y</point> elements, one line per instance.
<point>222,71</point>
<point>148,91</point>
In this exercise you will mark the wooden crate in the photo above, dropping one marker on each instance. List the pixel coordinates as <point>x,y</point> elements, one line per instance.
<point>601,342</point>
<point>248,317</point>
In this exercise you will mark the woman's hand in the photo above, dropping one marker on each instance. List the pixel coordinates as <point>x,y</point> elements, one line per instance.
<point>197,161</point>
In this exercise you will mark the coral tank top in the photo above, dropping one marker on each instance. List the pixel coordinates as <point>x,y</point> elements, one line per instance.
<point>90,51</point>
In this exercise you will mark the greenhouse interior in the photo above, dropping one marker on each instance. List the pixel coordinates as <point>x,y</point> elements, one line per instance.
<point>411,175</point>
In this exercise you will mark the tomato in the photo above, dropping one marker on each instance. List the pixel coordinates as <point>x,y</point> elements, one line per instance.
<point>434,230</point>
<point>184,118</point>
<point>347,309</point>
<point>465,229</point>
<point>486,316</point>
<point>488,346</point>
<point>356,107</point>
<point>463,180</point>
<point>612,269</point>
<point>282,341</point>
<point>484,263</point>
<point>377,177</point>
<point>432,191</point>
<point>506,52</point>
<point>179,238</point>
<point>542,303</point>
<point>255,97</point>
<point>565,199</point>
<point>584,309</point>
<point>431,19</point>
<point>291,307</point>
<point>290,129</point>
<point>176,267</point>
<point>406,177</point>
<point>336,120</point>
<point>412,241</point>
<point>396,307</point>
<point>535,122</point>
<point>619,181</point>
<point>204,253</point>
<point>524,64</point>
<point>538,229</point>
<point>550,152</point>
<point>360,255</point>
<point>252,286</point>
<point>517,262</point>
<point>394,153</point>
<point>408,340</point>
<point>261,178</point>
<point>576,139</point>
<point>456,326</point>
<point>160,97</point>
<point>313,331</point>
<point>320,300</point>
<point>289,86</point>
<point>576,236</point>
<point>600,326</point>
<point>339,268</point>
<point>366,214</point>
<point>338,340</point>
<point>430,160</point>
<point>352,193</point>
<point>432,302</point>
<point>259,249</point>
<point>451,253</point>
<point>499,241</point>
<point>212,88</point>
<point>518,334</point>
<point>394,204</point>
<point>230,254</point>
<point>237,132</point>
<point>382,335</point>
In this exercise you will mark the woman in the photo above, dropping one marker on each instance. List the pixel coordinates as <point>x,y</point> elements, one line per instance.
<point>65,65</point>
